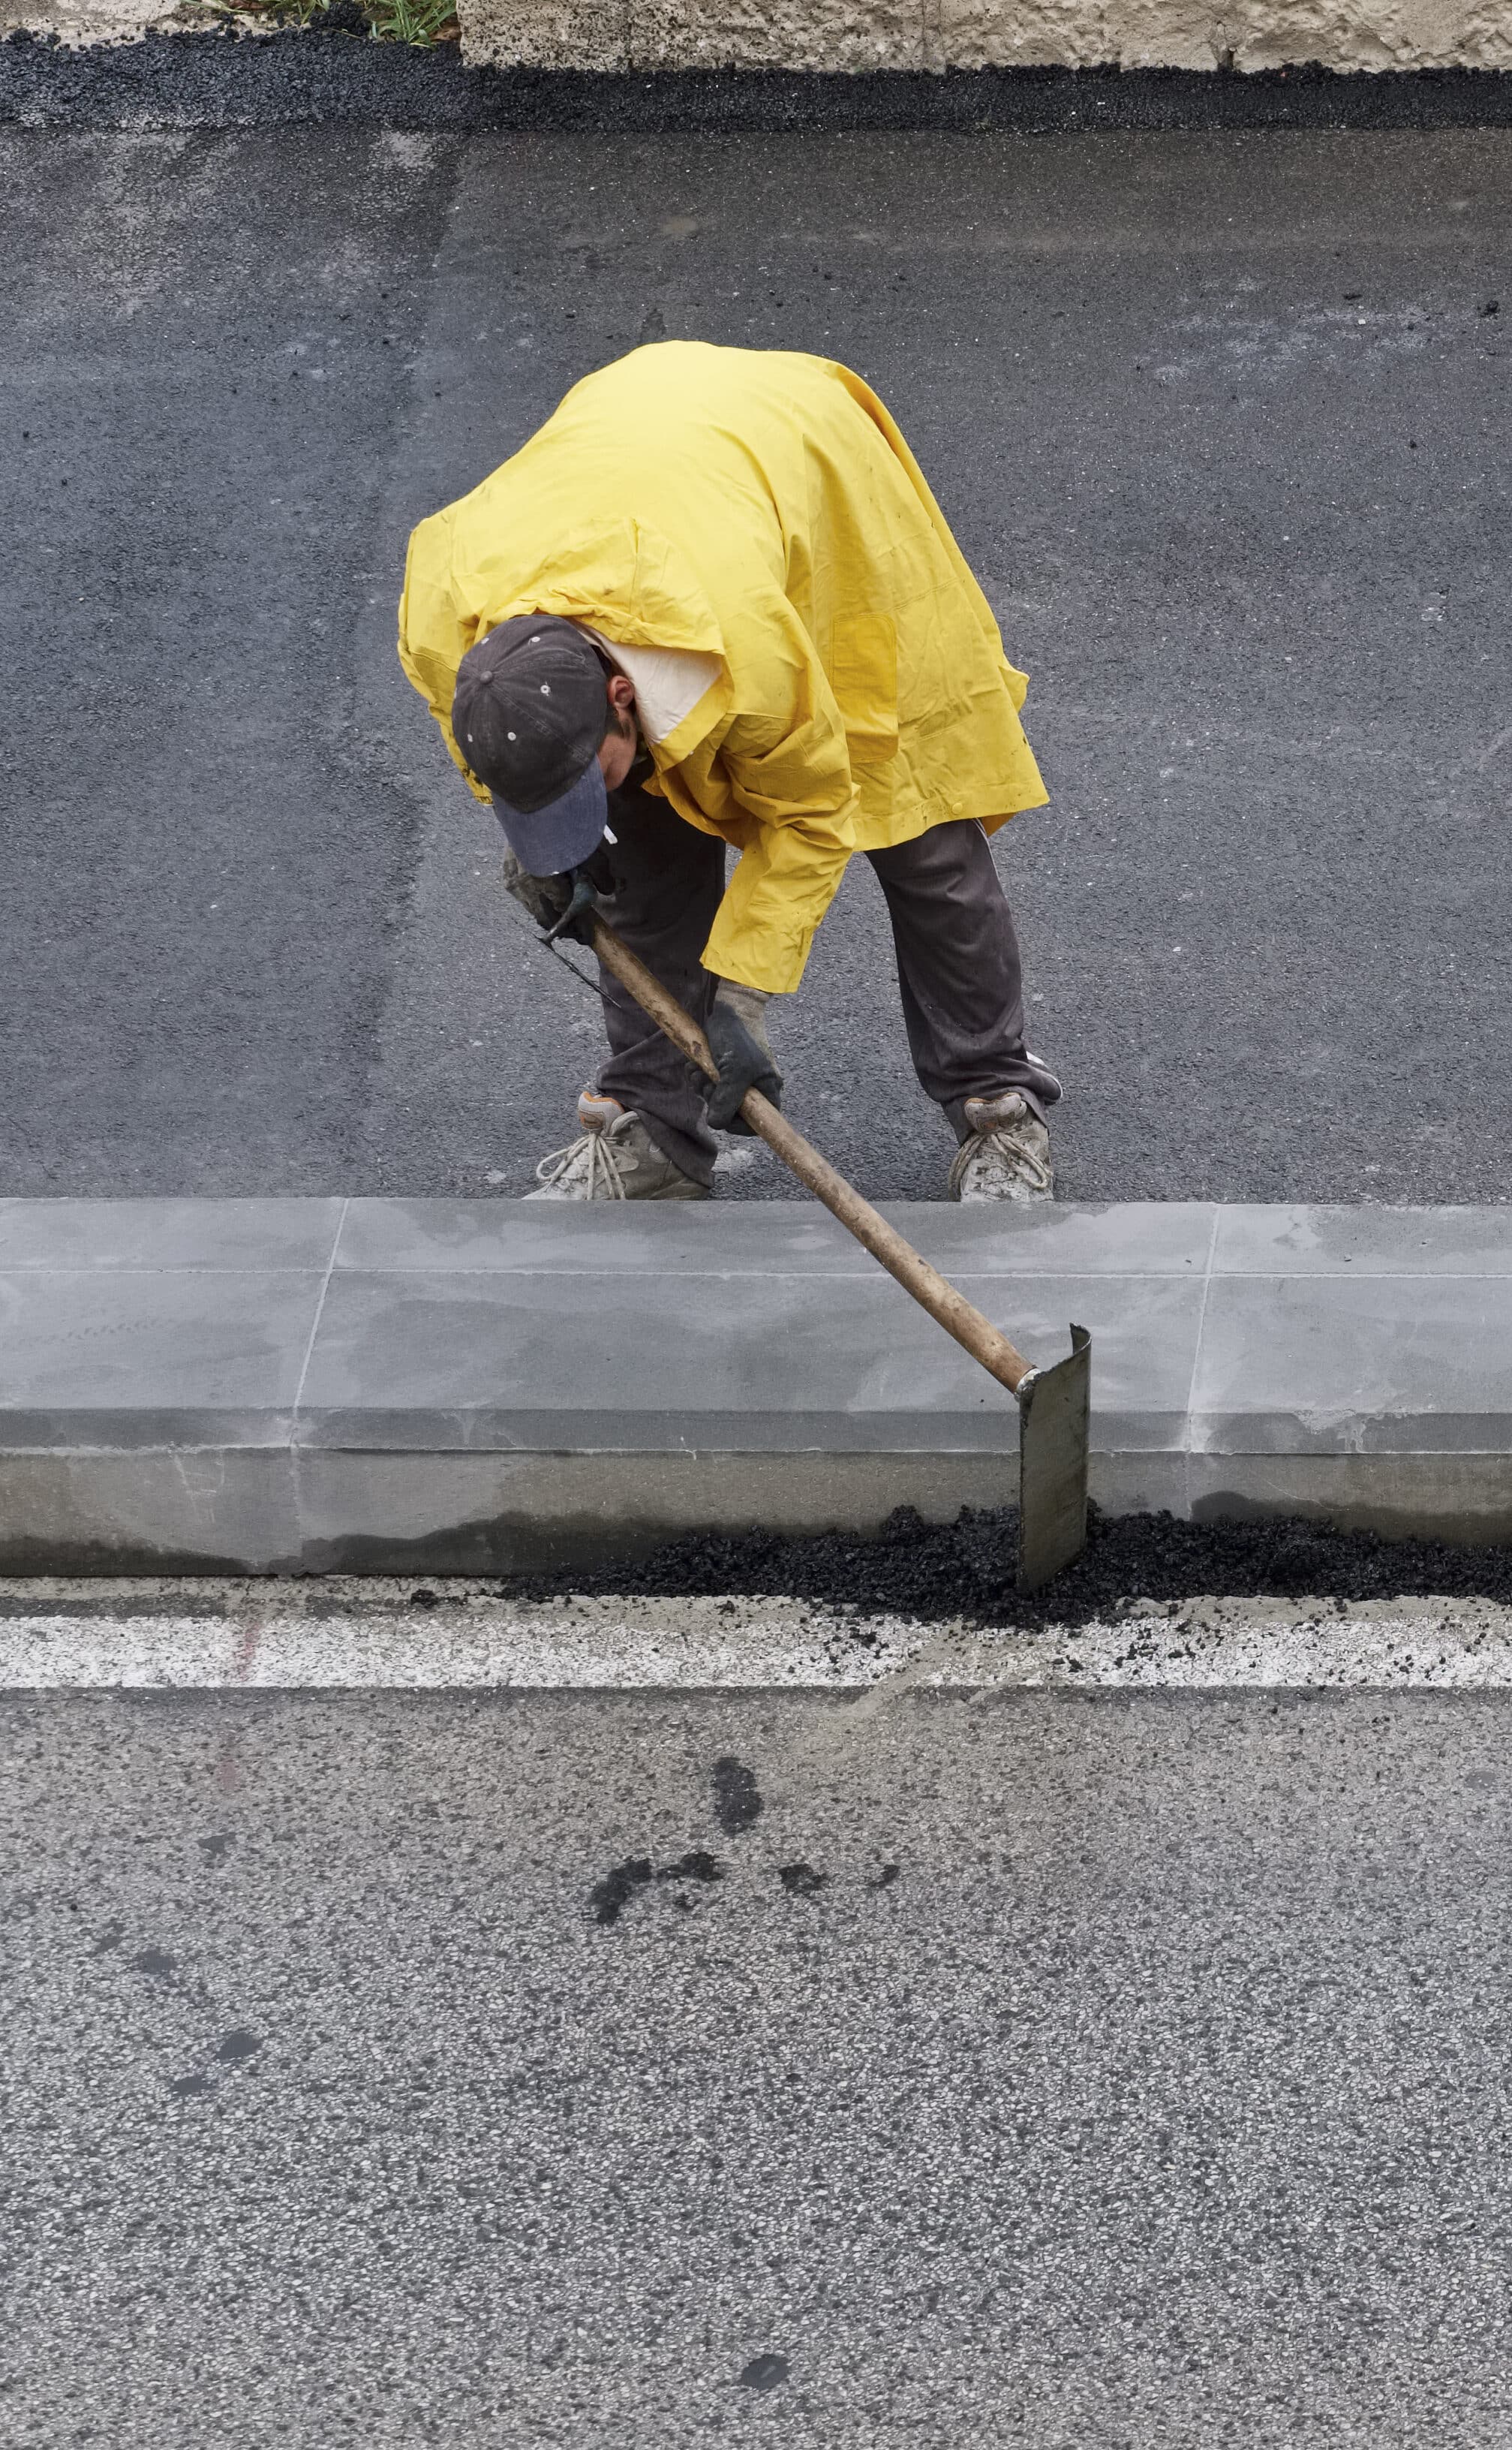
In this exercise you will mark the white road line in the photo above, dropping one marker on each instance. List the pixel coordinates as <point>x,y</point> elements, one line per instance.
<point>247,1636</point>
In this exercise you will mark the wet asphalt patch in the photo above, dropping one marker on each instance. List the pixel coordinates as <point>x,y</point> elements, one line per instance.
<point>964,1571</point>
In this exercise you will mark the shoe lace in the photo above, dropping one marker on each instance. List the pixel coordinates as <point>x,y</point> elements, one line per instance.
<point>1016,1154</point>
<point>587,1161</point>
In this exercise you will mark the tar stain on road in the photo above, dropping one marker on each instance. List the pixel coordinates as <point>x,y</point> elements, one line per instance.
<point>802,1880</point>
<point>764,2373</point>
<point>610,1897</point>
<point>737,1797</point>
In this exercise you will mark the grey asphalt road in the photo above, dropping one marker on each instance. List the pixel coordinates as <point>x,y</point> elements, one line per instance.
<point>1220,420</point>
<point>1127,2074</point>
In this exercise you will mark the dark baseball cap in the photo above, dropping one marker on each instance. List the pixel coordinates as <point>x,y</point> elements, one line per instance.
<point>529,715</point>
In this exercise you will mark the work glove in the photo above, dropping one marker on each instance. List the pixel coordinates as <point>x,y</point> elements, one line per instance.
<point>547,898</point>
<point>736,1030</point>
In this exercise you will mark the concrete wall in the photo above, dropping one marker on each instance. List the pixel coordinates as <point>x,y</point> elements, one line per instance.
<point>930,34</point>
<point>853,34</point>
<point>80,23</point>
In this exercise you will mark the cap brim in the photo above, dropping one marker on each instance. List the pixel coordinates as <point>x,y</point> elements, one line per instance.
<point>549,841</point>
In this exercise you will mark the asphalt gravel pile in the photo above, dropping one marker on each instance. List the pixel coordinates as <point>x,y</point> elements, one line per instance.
<point>332,73</point>
<point>965,1570</point>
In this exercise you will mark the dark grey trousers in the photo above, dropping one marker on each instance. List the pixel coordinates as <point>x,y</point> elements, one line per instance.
<point>953,933</point>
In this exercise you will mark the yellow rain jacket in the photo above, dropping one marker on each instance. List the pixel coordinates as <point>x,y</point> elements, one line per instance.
<point>763,508</point>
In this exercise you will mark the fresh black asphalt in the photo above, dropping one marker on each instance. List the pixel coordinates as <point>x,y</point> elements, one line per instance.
<point>1219,417</point>
<point>319,75</point>
<point>966,1569</point>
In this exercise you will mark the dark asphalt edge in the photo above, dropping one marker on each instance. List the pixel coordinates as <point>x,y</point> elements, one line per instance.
<point>332,77</point>
<point>965,1570</point>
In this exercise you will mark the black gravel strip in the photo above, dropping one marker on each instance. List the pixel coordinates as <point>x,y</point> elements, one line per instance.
<point>334,72</point>
<point>966,1568</point>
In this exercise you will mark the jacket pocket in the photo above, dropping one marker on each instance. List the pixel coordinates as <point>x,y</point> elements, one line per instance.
<point>863,675</point>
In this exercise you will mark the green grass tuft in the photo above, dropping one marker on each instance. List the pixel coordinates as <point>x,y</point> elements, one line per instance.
<point>423,24</point>
<point>420,22</point>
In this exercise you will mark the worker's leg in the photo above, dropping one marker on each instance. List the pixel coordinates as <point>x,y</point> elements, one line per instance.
<point>959,971</point>
<point>667,881</point>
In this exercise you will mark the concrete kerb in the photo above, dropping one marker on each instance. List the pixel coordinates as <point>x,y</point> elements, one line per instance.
<point>854,36</point>
<point>303,1386</point>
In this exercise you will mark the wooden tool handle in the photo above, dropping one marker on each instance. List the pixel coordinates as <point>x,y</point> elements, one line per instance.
<point>928,1287</point>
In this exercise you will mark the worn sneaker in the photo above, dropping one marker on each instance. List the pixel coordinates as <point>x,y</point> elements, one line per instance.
<point>615,1159</point>
<point>1007,1155</point>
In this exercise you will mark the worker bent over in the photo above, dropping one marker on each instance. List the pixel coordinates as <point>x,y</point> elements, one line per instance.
<point>713,605</point>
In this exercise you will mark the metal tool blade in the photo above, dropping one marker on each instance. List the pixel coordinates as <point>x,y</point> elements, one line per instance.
<point>1054,1418</point>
